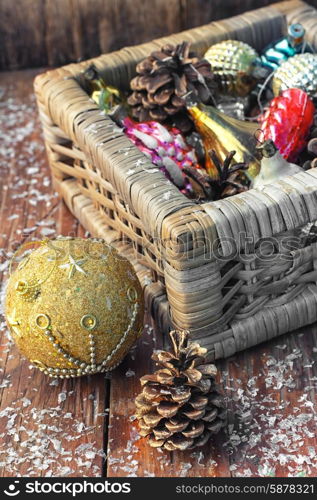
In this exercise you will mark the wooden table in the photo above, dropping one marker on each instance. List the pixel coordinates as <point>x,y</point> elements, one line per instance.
<point>85,427</point>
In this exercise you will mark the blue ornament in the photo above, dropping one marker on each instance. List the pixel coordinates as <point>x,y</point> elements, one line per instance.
<point>278,52</point>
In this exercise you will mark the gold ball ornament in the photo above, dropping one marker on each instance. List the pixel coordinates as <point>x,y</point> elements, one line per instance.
<point>299,71</point>
<point>74,307</point>
<point>232,64</point>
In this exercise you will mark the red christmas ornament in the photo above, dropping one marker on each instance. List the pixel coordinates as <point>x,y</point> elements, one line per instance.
<point>287,122</point>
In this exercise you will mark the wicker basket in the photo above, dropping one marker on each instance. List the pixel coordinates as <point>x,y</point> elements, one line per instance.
<point>228,304</point>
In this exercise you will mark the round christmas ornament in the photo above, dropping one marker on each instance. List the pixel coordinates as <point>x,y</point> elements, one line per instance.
<point>287,122</point>
<point>74,307</point>
<point>232,63</point>
<point>299,71</point>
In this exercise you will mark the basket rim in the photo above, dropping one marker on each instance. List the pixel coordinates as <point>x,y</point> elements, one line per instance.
<point>69,76</point>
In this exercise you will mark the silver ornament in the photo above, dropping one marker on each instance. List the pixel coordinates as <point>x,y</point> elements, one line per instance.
<point>233,106</point>
<point>299,71</point>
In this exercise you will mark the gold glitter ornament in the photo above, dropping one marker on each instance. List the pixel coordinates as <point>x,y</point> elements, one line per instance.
<point>74,307</point>
<point>298,72</point>
<point>232,64</point>
<point>223,134</point>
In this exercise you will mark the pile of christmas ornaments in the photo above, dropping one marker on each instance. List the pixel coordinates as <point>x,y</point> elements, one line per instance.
<point>200,121</point>
<point>223,124</point>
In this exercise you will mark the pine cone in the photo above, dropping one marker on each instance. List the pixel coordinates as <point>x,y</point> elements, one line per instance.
<point>163,78</point>
<point>179,407</point>
<point>231,179</point>
<point>311,149</point>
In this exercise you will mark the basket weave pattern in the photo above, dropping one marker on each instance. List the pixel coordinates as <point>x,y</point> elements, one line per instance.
<point>229,303</point>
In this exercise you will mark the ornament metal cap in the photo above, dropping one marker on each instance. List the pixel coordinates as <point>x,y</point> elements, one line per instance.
<point>267,148</point>
<point>296,33</point>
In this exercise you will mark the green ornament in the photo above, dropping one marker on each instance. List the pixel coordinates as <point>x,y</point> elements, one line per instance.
<point>232,63</point>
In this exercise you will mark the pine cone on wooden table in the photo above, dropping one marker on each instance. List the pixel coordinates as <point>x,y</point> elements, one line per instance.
<point>312,150</point>
<point>163,78</point>
<point>179,407</point>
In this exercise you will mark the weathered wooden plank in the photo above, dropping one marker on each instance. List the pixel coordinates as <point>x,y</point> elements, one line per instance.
<point>54,32</point>
<point>273,387</point>
<point>271,397</point>
<point>49,428</point>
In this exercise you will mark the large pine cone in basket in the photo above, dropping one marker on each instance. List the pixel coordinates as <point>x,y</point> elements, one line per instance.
<point>163,79</point>
<point>179,407</point>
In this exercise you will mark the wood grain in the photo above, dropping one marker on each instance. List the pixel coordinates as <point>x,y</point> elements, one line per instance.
<point>85,427</point>
<point>45,429</point>
<point>271,430</point>
<point>53,32</point>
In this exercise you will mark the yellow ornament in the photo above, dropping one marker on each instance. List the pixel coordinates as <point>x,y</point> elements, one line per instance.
<point>223,134</point>
<point>74,307</point>
<point>232,63</point>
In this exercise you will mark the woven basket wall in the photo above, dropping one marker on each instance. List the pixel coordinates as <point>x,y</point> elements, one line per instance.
<point>227,303</point>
